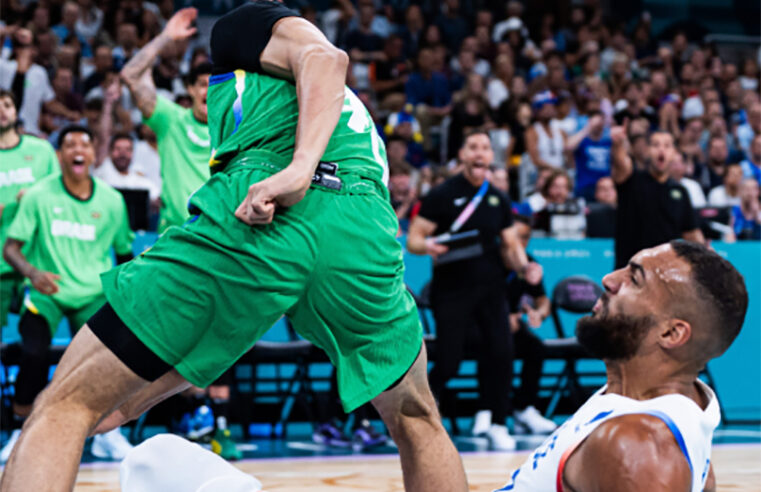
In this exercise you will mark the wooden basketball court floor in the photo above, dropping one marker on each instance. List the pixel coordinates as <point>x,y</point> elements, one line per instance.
<point>737,468</point>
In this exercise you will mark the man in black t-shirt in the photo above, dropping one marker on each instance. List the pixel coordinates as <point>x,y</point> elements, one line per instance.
<point>652,208</point>
<point>469,292</point>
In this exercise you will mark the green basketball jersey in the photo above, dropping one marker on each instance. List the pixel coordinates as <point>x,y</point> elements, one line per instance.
<point>184,151</point>
<point>20,167</point>
<point>255,111</point>
<point>72,237</point>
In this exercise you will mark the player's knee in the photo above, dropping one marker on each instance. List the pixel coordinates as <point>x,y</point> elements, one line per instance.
<point>54,403</point>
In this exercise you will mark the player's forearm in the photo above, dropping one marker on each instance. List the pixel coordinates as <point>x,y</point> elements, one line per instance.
<point>15,258</point>
<point>513,254</point>
<point>136,74</point>
<point>620,162</point>
<point>144,59</point>
<point>105,126</point>
<point>320,75</point>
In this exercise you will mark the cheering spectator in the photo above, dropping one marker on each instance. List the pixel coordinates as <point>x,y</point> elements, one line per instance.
<point>69,225</point>
<point>652,208</point>
<point>678,172</point>
<point>25,160</point>
<point>545,141</point>
<point>728,194</point>
<point>468,288</point>
<point>591,150</point>
<point>183,134</point>
<point>27,81</point>
<point>746,217</point>
<point>752,165</point>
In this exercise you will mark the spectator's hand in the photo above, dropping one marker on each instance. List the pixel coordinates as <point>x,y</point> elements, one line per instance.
<point>618,134</point>
<point>595,120</point>
<point>180,26</point>
<point>44,282</point>
<point>433,248</point>
<point>534,318</point>
<point>113,92</point>
<point>515,323</point>
<point>2,207</point>
<point>20,194</point>
<point>534,273</point>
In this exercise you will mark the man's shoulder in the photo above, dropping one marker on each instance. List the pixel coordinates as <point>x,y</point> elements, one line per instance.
<point>37,144</point>
<point>107,194</point>
<point>43,188</point>
<point>631,445</point>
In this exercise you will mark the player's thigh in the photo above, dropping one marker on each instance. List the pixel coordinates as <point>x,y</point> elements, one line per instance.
<point>79,382</point>
<point>357,307</point>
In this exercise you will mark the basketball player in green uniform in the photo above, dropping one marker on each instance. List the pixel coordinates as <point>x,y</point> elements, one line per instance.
<point>295,220</point>
<point>24,159</point>
<point>182,134</point>
<point>69,224</point>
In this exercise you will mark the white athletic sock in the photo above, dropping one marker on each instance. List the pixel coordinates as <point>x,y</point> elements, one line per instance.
<point>168,462</point>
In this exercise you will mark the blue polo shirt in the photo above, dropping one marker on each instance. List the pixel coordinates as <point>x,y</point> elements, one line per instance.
<point>592,162</point>
<point>432,92</point>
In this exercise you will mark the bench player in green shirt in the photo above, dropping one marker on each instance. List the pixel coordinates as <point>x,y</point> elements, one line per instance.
<point>24,159</point>
<point>182,134</point>
<point>295,220</point>
<point>69,223</point>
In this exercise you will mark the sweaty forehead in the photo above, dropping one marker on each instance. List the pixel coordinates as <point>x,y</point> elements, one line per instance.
<point>664,266</point>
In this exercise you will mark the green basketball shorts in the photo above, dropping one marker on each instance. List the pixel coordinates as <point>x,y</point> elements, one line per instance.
<point>207,291</point>
<point>54,311</point>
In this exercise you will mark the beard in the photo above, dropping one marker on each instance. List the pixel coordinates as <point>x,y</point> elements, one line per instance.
<point>613,336</point>
<point>6,128</point>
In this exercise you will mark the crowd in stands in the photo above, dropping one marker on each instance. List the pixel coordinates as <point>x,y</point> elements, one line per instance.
<point>546,88</point>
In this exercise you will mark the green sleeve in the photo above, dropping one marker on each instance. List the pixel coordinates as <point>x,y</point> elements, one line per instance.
<point>124,236</point>
<point>164,115</point>
<point>53,166</point>
<point>25,222</point>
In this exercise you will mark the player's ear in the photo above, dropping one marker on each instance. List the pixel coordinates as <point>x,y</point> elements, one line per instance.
<point>676,333</point>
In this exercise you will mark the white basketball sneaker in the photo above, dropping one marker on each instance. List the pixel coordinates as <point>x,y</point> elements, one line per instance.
<point>530,421</point>
<point>8,448</point>
<point>500,439</point>
<point>111,446</point>
<point>481,422</point>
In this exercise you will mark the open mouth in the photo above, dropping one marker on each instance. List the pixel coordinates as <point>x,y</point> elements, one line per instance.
<point>78,166</point>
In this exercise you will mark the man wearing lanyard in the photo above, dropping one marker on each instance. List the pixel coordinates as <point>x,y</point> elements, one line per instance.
<point>465,224</point>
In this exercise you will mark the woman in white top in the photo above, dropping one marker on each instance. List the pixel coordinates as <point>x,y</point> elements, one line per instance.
<point>498,89</point>
<point>545,141</point>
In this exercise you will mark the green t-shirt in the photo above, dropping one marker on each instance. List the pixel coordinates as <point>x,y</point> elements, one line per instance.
<point>184,149</point>
<point>255,111</point>
<point>72,237</point>
<point>20,167</point>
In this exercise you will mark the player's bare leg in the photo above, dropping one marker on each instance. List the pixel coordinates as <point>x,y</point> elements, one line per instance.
<point>89,383</point>
<point>429,459</point>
